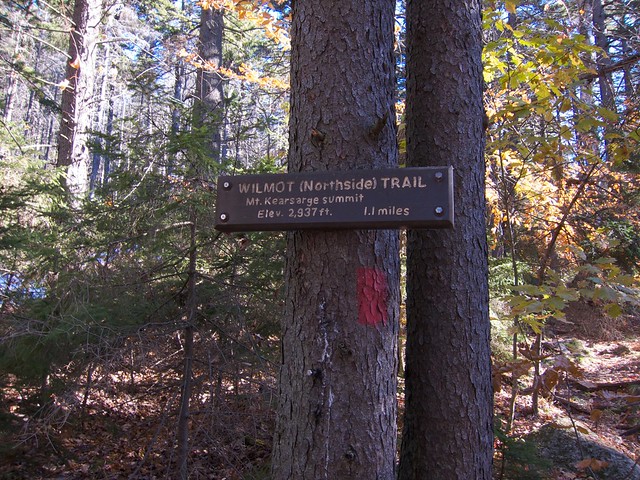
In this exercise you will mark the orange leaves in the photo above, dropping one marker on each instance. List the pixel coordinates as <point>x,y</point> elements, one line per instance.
<point>66,83</point>
<point>592,464</point>
<point>75,63</point>
<point>245,73</point>
<point>517,369</point>
<point>256,12</point>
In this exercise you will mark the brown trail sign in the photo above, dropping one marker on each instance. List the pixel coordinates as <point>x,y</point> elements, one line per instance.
<point>355,199</point>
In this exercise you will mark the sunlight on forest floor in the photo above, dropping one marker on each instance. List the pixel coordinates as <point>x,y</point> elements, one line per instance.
<point>128,430</point>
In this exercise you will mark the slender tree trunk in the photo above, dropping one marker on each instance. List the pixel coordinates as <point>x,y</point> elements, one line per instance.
<point>48,136</point>
<point>179,85</point>
<point>606,91</point>
<point>73,152</point>
<point>109,143</point>
<point>104,91</point>
<point>584,140</point>
<point>448,404</point>
<point>31,118</point>
<point>176,112</point>
<point>337,406</point>
<point>629,90</point>
<point>208,108</point>
<point>12,82</point>
<point>607,96</point>
<point>183,420</point>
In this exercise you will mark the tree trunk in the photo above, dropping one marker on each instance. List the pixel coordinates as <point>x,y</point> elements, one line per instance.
<point>208,109</point>
<point>77,97</point>
<point>205,109</point>
<point>179,85</point>
<point>448,404</point>
<point>607,95</point>
<point>337,410</point>
<point>12,81</point>
<point>599,32</point>
<point>176,112</point>
<point>187,382</point>
<point>103,98</point>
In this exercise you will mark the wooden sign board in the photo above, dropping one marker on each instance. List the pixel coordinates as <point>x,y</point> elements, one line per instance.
<point>354,199</point>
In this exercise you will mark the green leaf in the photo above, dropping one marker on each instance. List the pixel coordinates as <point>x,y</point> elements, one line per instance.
<point>556,303</point>
<point>605,261</point>
<point>606,293</point>
<point>608,114</point>
<point>613,310</point>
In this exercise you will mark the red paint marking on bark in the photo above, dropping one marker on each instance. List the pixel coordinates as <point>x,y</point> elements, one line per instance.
<point>372,296</point>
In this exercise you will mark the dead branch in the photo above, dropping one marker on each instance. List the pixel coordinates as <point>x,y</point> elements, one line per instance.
<point>604,70</point>
<point>595,387</point>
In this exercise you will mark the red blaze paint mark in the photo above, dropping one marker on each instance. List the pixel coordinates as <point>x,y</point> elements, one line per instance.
<point>372,296</point>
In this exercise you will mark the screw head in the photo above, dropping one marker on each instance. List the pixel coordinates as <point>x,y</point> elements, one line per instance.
<point>439,211</point>
<point>226,184</point>
<point>224,217</point>
<point>439,176</point>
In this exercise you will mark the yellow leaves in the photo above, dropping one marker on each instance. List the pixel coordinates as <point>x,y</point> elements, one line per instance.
<point>217,4</point>
<point>205,5</point>
<point>256,12</point>
<point>511,5</point>
<point>244,73</point>
<point>247,74</point>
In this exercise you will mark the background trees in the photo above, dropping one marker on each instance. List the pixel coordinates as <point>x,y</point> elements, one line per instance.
<point>77,93</point>
<point>96,297</point>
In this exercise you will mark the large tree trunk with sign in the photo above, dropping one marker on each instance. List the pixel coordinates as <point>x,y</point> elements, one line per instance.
<point>447,427</point>
<point>77,97</point>
<point>337,412</point>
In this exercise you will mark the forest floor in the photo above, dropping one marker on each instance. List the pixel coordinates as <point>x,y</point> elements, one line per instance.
<point>122,432</point>
<point>596,398</point>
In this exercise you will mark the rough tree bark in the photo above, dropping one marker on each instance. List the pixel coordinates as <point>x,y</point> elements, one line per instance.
<point>448,404</point>
<point>208,109</point>
<point>607,96</point>
<point>77,97</point>
<point>337,411</point>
